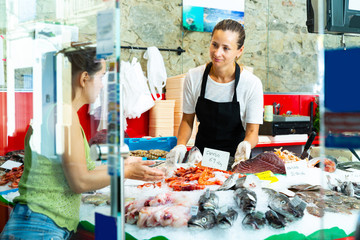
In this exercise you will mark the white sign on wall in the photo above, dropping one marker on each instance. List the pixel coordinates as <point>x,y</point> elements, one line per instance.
<point>354,5</point>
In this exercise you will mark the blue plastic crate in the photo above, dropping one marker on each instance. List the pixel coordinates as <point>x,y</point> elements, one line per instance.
<point>162,143</point>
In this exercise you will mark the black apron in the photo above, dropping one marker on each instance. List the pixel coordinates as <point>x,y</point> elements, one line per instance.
<point>220,123</point>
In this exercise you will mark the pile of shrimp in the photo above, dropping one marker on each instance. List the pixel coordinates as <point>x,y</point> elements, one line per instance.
<point>286,156</point>
<point>194,178</point>
<point>13,176</point>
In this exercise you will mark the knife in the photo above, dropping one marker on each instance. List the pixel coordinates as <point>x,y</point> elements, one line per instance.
<point>311,138</point>
<point>355,154</point>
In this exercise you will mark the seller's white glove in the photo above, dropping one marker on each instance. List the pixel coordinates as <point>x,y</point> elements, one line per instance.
<point>177,154</point>
<point>242,152</point>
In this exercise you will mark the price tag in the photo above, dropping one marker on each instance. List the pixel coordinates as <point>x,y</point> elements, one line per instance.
<point>268,176</point>
<point>194,210</point>
<point>296,169</point>
<point>9,164</point>
<point>353,176</point>
<point>215,159</point>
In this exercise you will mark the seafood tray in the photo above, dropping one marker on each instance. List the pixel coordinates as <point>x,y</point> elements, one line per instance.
<point>152,154</point>
<point>146,144</point>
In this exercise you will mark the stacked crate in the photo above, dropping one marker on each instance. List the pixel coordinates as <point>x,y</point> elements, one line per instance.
<point>161,119</point>
<point>174,91</point>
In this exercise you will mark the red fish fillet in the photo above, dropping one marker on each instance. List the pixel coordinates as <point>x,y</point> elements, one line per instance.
<point>262,162</point>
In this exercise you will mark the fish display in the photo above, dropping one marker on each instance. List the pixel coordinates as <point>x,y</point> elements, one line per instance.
<point>193,156</point>
<point>254,220</point>
<point>274,219</point>
<point>245,199</point>
<point>348,188</point>
<point>348,166</point>
<point>163,215</point>
<point>227,219</point>
<point>149,154</point>
<point>321,200</point>
<point>324,163</point>
<point>230,182</point>
<point>204,219</point>
<point>194,178</point>
<point>208,201</point>
<point>164,209</point>
<point>290,209</point>
<point>13,176</point>
<point>262,162</point>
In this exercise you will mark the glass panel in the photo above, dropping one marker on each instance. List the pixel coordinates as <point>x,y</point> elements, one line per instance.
<point>50,87</point>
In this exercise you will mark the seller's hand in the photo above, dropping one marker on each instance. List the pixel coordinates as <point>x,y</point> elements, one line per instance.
<point>138,169</point>
<point>242,152</point>
<point>177,154</point>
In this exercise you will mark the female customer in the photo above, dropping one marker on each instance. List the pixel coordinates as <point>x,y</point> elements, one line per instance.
<point>51,186</point>
<point>226,98</point>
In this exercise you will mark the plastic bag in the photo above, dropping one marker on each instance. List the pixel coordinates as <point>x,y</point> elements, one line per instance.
<point>136,98</point>
<point>156,71</point>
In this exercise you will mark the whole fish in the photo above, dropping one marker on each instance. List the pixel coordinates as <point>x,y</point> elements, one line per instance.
<point>208,201</point>
<point>230,182</point>
<point>193,156</point>
<point>347,166</point>
<point>281,204</point>
<point>227,219</point>
<point>245,199</point>
<point>254,220</point>
<point>204,219</point>
<point>274,219</point>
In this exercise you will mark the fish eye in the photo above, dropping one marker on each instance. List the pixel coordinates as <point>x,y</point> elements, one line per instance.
<point>203,220</point>
<point>283,202</point>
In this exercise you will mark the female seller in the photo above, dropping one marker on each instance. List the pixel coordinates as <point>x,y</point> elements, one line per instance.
<point>50,187</point>
<point>226,99</point>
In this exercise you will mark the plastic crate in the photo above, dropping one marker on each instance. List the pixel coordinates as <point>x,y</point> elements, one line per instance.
<point>162,143</point>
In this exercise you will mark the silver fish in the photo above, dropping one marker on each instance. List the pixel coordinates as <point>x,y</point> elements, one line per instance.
<point>282,204</point>
<point>245,199</point>
<point>274,219</point>
<point>208,201</point>
<point>192,156</point>
<point>229,182</point>
<point>240,182</point>
<point>227,219</point>
<point>204,219</point>
<point>254,220</point>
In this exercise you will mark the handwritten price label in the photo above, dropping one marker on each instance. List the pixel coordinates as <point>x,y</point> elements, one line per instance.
<point>215,159</point>
<point>296,169</point>
<point>194,210</point>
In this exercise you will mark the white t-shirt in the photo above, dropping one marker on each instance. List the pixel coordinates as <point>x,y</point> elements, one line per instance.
<point>249,94</point>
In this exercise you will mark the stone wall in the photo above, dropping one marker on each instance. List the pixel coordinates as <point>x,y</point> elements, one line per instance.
<point>278,47</point>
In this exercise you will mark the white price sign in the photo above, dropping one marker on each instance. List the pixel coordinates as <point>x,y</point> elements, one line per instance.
<point>353,176</point>
<point>215,159</point>
<point>296,169</point>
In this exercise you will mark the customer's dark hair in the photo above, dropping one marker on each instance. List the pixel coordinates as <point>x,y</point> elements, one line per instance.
<point>82,59</point>
<point>231,25</point>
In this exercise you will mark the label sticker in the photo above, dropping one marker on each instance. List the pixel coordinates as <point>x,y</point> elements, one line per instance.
<point>194,210</point>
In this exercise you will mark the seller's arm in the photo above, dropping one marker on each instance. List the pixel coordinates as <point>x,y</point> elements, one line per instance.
<point>252,134</point>
<point>185,129</point>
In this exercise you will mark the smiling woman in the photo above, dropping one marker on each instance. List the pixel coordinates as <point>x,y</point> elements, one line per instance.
<point>227,99</point>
